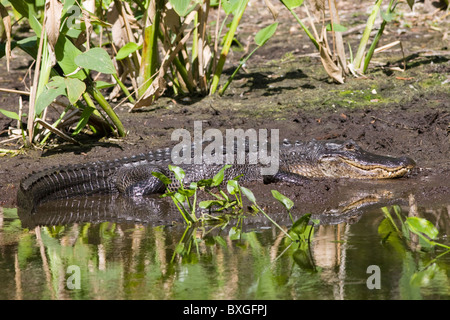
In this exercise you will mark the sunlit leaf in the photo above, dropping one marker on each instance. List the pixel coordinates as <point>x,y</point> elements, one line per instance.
<point>126,50</point>
<point>180,6</point>
<point>232,187</point>
<point>230,6</point>
<point>336,27</point>
<point>162,177</point>
<point>218,178</point>
<point>250,196</point>
<point>75,88</point>
<point>53,89</point>
<point>265,34</point>
<point>416,224</point>
<point>179,172</point>
<point>207,204</point>
<point>285,201</point>
<point>10,114</point>
<point>291,4</point>
<point>96,59</point>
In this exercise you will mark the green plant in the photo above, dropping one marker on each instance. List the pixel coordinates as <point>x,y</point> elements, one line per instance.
<point>333,56</point>
<point>301,230</point>
<point>261,38</point>
<point>415,233</point>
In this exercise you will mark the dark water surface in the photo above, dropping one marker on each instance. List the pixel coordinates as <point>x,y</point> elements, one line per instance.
<point>112,248</point>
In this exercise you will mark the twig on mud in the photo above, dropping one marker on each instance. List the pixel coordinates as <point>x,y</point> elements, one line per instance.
<point>401,125</point>
<point>10,139</point>
<point>15,91</point>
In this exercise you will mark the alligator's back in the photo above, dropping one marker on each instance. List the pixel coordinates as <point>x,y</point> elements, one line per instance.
<point>79,179</point>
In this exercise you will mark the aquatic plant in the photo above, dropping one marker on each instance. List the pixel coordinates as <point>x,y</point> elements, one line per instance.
<point>414,234</point>
<point>228,205</point>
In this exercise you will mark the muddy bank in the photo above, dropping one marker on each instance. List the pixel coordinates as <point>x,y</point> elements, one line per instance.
<point>285,87</point>
<point>406,130</point>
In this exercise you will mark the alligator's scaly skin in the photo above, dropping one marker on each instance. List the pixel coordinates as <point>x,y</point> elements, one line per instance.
<point>133,176</point>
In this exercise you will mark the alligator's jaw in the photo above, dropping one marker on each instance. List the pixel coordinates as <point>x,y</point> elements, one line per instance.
<point>384,168</point>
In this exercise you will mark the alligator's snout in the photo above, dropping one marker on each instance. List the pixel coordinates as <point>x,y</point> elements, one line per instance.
<point>407,162</point>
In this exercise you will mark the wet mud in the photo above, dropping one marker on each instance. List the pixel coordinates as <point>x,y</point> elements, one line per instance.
<point>284,87</point>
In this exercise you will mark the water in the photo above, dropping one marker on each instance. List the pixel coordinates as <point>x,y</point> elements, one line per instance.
<point>96,256</point>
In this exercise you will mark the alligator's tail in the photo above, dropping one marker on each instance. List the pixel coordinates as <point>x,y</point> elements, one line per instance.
<point>66,181</point>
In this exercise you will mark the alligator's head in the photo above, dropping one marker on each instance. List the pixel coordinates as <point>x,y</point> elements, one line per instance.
<point>345,159</point>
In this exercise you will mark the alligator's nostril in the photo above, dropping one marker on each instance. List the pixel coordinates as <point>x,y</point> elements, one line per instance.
<point>407,162</point>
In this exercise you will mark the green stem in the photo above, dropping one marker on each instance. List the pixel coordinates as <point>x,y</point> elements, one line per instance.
<point>365,37</point>
<point>93,91</point>
<point>149,62</point>
<point>305,28</point>
<point>377,38</point>
<point>124,89</point>
<point>241,63</point>
<point>276,224</point>
<point>55,124</point>
<point>227,46</point>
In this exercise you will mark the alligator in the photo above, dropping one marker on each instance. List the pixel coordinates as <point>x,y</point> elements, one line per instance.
<point>298,162</point>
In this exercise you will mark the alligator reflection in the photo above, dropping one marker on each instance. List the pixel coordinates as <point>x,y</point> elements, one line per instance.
<point>154,210</point>
<point>125,250</point>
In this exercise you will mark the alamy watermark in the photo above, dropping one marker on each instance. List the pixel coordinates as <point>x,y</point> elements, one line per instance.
<point>374,280</point>
<point>234,147</point>
<point>74,279</point>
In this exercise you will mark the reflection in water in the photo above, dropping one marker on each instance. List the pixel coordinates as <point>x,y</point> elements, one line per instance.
<point>121,253</point>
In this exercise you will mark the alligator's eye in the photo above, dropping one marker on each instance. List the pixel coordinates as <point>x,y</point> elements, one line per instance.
<point>349,146</point>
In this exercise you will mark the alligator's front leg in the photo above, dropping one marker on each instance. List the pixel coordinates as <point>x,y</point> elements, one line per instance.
<point>287,177</point>
<point>138,180</point>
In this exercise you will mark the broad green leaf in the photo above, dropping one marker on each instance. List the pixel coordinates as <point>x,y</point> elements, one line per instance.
<point>250,196</point>
<point>336,27</point>
<point>416,224</point>
<point>180,6</point>
<point>285,201</point>
<point>75,88</point>
<point>125,51</point>
<point>230,6</point>
<point>53,89</point>
<point>187,192</point>
<point>10,114</point>
<point>232,187</point>
<point>265,34</point>
<point>162,177</point>
<point>179,197</point>
<point>218,178</point>
<point>209,203</point>
<point>179,173</point>
<point>66,54</point>
<point>96,59</point>
<point>291,4</point>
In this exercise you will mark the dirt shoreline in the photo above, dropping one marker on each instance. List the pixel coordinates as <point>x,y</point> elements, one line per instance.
<point>285,87</point>
<point>421,135</point>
